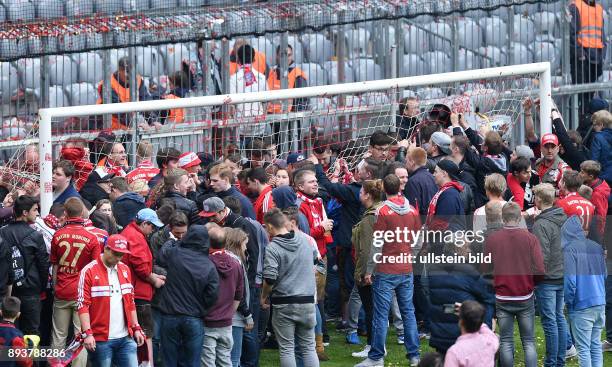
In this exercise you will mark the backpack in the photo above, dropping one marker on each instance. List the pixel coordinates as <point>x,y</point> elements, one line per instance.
<point>19,262</point>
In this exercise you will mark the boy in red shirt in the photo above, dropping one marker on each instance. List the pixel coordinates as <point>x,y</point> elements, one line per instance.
<point>257,182</point>
<point>574,204</point>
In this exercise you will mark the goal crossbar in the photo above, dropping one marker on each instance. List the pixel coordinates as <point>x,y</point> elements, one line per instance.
<point>46,115</point>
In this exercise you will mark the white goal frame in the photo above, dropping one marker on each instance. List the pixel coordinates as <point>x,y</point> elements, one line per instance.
<point>46,115</point>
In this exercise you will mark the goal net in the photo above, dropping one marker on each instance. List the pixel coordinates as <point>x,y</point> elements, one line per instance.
<point>265,128</point>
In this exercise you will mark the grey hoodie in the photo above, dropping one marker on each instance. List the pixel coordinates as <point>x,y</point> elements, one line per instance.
<point>547,228</point>
<point>288,266</point>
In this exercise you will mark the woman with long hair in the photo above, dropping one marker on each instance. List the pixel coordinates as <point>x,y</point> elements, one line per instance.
<point>370,196</point>
<point>175,186</point>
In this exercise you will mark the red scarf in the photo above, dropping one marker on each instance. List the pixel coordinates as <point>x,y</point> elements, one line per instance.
<point>431,211</point>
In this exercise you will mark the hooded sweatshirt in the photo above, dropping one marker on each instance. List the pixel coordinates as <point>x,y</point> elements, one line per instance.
<point>601,151</point>
<point>126,207</point>
<point>288,267</point>
<point>192,282</point>
<point>285,197</point>
<point>585,268</point>
<point>82,167</point>
<point>231,288</point>
<point>547,228</point>
<point>391,256</point>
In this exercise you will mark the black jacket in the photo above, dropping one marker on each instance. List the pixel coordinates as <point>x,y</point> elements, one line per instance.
<point>247,206</point>
<point>467,175</point>
<point>192,282</point>
<point>187,206</point>
<point>91,191</point>
<point>126,207</point>
<point>6,271</point>
<point>236,221</point>
<point>31,256</point>
<point>572,156</point>
<point>351,209</point>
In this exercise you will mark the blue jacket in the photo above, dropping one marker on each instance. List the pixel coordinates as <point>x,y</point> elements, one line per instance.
<point>420,188</point>
<point>126,207</point>
<point>450,283</point>
<point>70,192</point>
<point>601,151</point>
<point>351,209</point>
<point>450,209</point>
<point>585,268</point>
<point>284,197</point>
<point>247,206</point>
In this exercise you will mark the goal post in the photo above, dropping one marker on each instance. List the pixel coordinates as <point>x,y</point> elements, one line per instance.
<point>488,77</point>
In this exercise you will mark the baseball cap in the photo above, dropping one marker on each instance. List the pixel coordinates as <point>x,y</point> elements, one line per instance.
<point>549,139</point>
<point>450,167</point>
<point>524,151</point>
<point>294,158</point>
<point>149,215</point>
<point>117,243</point>
<point>187,160</point>
<point>106,178</point>
<point>442,140</point>
<point>211,207</point>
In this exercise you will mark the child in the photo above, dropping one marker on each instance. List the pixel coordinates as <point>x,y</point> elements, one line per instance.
<point>10,336</point>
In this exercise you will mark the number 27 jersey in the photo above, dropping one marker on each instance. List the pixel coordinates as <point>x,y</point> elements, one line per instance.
<point>72,248</point>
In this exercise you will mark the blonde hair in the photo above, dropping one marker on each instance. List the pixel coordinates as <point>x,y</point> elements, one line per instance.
<point>234,237</point>
<point>545,192</point>
<point>144,149</point>
<point>603,118</point>
<point>167,185</point>
<point>222,170</point>
<point>140,186</point>
<point>495,184</point>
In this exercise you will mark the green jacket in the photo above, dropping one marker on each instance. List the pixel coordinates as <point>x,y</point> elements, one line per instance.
<point>362,241</point>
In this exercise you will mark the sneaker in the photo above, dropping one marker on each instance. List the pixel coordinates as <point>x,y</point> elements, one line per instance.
<point>400,339</point>
<point>423,335</point>
<point>326,340</point>
<point>342,326</point>
<point>363,353</point>
<point>570,353</point>
<point>371,363</point>
<point>606,346</point>
<point>414,361</point>
<point>352,338</point>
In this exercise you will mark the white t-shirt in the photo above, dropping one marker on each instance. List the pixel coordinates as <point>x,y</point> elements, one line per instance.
<point>117,327</point>
<point>480,219</point>
<point>247,80</point>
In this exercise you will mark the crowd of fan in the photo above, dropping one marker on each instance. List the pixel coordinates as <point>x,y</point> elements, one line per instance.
<point>202,262</point>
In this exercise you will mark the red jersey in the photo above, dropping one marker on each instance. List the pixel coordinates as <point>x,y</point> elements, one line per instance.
<point>263,203</point>
<point>144,171</point>
<point>574,204</point>
<point>553,172</point>
<point>72,247</point>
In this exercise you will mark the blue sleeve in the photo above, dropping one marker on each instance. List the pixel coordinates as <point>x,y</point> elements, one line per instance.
<point>340,191</point>
<point>569,283</point>
<point>596,148</point>
<point>247,208</point>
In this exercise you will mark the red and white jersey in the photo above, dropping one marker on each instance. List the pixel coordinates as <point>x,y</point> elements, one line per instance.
<point>94,296</point>
<point>101,234</point>
<point>72,247</point>
<point>144,171</point>
<point>574,204</point>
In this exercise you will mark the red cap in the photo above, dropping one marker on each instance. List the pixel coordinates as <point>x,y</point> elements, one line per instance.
<point>189,159</point>
<point>118,243</point>
<point>549,139</point>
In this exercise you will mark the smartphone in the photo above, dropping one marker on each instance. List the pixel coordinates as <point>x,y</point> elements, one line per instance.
<point>449,308</point>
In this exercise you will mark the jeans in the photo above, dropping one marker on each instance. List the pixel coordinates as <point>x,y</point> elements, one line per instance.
<point>365,293</point>
<point>398,324</point>
<point>382,294</point>
<point>294,324</point>
<point>550,305</point>
<point>524,312</point>
<point>181,340</point>
<point>217,347</point>
<point>237,332</point>
<point>250,339</point>
<point>333,301</point>
<point>119,352</point>
<point>156,340</point>
<point>586,326</point>
<point>354,306</point>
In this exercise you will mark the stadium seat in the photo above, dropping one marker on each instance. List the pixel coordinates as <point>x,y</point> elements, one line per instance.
<point>49,9</point>
<point>293,41</point>
<point>556,7</point>
<point>546,51</point>
<point>493,56</point>
<point>440,37</point>
<point>430,93</point>
<point>91,67</point>
<point>149,62</point>
<point>332,72</point>
<point>495,31</point>
<point>184,3</point>
<point>35,45</point>
<point>57,97</point>
<point>20,10</point>
<point>416,40</point>
<point>358,41</point>
<point>469,34</point>
<point>501,12</point>
<point>174,54</point>
<point>438,61</point>
<point>77,8</point>
<point>467,60</point>
<point>366,69</point>
<point>12,47</point>
<point>72,42</point>
<point>62,70</point>
<point>546,23</point>
<point>9,81</point>
<point>135,5</point>
<point>108,6</point>
<point>524,30</point>
<point>95,41</point>
<point>413,65</point>
<point>314,73</point>
<point>520,54</point>
<point>29,72</point>
<point>81,94</point>
<point>163,4</point>
<point>607,25</point>
<point>319,48</point>
<point>375,99</point>
<point>526,8</point>
<point>2,14</point>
